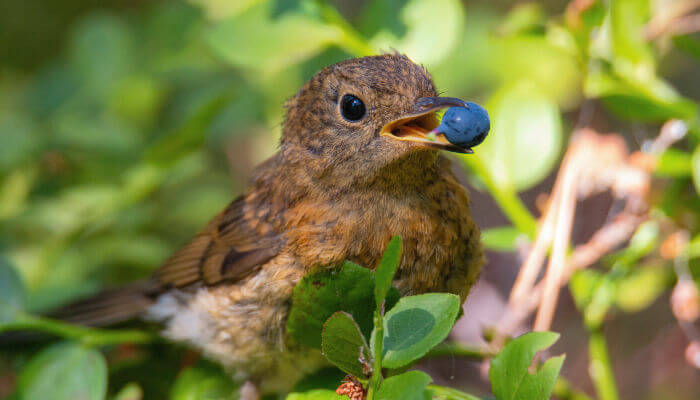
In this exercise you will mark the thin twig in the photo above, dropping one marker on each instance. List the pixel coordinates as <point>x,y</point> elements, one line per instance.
<point>533,263</point>
<point>560,245</point>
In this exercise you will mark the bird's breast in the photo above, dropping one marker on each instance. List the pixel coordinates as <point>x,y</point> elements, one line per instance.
<point>441,247</point>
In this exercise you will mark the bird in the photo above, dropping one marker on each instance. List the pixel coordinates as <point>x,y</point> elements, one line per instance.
<point>355,166</point>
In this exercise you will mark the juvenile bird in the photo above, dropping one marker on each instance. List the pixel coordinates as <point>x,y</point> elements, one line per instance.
<point>354,168</point>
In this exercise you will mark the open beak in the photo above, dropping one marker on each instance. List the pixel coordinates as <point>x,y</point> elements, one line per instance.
<point>419,125</point>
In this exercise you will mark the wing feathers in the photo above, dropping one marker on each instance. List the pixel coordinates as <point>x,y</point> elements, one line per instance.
<point>229,249</point>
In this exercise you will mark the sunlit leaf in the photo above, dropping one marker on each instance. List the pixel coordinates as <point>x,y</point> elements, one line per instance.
<point>632,53</point>
<point>523,18</point>
<point>642,287</point>
<point>410,385</point>
<point>220,9</point>
<point>675,163</point>
<point>583,284</point>
<point>509,375</point>
<point>696,168</point>
<point>500,239</point>
<point>432,28</point>
<point>525,139</point>
<point>256,39</point>
<point>652,101</point>
<point>132,391</point>
<point>415,325</point>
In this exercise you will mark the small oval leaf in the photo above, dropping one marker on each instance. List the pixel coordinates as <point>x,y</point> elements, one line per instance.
<point>415,325</point>
<point>343,345</point>
<point>510,379</point>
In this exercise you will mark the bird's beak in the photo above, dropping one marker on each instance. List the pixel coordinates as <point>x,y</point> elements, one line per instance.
<point>419,124</point>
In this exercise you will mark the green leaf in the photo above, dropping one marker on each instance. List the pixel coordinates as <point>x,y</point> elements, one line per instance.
<point>525,139</point>
<point>693,248</point>
<point>256,39</point>
<point>319,394</point>
<point>132,391</point>
<point>219,9</point>
<point>642,287</point>
<point>510,379</point>
<point>500,239</point>
<point>343,344</point>
<point>204,381</point>
<point>523,18</point>
<point>644,241</point>
<point>674,163</point>
<point>555,75</point>
<point>387,269</point>
<point>65,371</point>
<point>653,100</point>
<point>629,47</point>
<point>696,169</point>
<point>410,385</point>
<point>319,295</point>
<point>415,325</point>
<point>582,285</point>
<point>427,31</point>
<point>603,298</point>
<point>11,292</point>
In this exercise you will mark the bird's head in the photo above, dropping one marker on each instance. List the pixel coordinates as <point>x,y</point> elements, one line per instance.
<point>361,117</point>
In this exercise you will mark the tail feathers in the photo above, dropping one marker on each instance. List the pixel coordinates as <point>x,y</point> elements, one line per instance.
<point>109,307</point>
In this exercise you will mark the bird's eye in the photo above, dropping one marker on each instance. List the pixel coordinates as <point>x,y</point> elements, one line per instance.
<point>352,108</point>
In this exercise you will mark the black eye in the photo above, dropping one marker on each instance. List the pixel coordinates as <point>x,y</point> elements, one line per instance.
<point>352,108</point>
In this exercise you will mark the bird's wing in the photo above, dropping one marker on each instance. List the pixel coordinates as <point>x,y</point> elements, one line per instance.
<point>231,247</point>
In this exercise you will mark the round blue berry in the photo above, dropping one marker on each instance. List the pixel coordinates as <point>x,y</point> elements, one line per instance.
<point>465,127</point>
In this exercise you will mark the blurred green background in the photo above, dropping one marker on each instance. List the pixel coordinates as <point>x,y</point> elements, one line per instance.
<point>126,125</point>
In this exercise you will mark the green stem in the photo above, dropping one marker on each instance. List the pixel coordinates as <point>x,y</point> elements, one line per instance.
<point>600,369</point>
<point>376,378</point>
<point>457,349</point>
<point>87,336</point>
<point>445,393</point>
<point>506,197</point>
<point>352,41</point>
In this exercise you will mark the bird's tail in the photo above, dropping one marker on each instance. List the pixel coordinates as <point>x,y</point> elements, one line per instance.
<point>109,307</point>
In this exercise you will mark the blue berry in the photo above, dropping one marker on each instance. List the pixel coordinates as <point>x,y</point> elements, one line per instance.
<point>465,127</point>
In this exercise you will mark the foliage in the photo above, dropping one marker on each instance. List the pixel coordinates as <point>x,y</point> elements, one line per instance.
<point>404,333</point>
<point>509,374</point>
<point>64,371</point>
<point>124,127</point>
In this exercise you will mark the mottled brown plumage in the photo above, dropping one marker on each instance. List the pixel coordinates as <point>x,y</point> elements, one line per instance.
<point>336,190</point>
